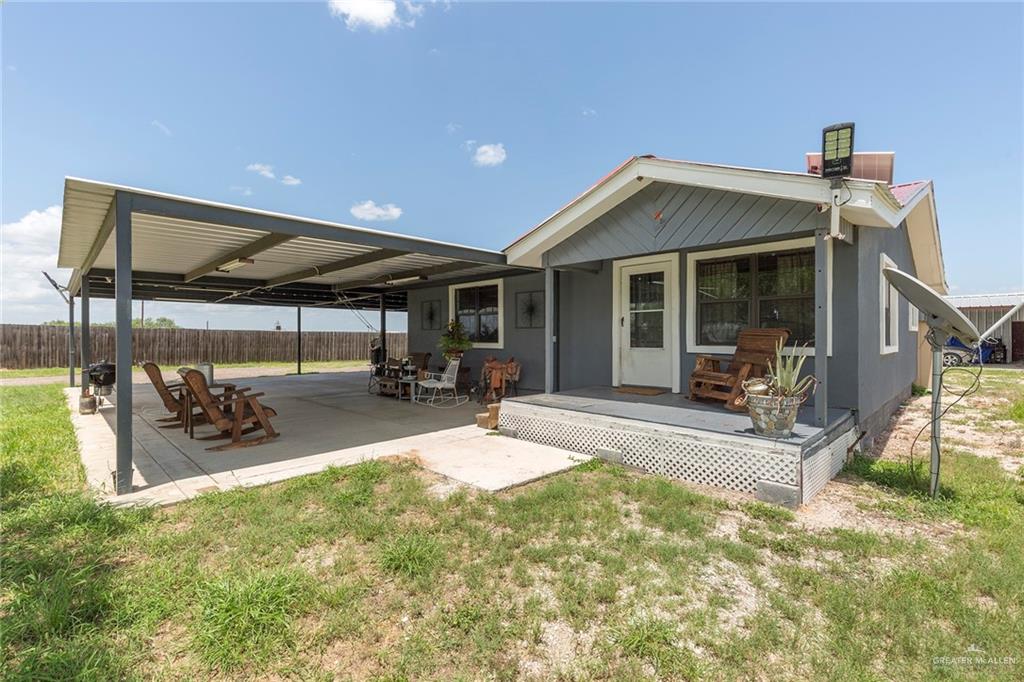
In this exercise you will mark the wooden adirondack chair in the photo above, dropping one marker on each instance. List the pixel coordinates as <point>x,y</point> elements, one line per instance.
<point>247,414</point>
<point>174,402</point>
<point>755,348</point>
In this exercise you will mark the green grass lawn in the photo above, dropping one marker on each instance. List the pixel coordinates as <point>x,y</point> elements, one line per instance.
<point>60,373</point>
<point>362,573</point>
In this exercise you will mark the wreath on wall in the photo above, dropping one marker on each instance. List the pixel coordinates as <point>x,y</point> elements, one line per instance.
<point>530,309</point>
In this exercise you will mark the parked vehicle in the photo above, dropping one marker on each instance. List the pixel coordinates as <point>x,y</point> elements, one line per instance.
<point>993,351</point>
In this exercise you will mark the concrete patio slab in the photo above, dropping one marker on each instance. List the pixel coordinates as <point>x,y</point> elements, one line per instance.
<point>325,420</point>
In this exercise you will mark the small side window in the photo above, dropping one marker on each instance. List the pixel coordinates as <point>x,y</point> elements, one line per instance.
<point>889,309</point>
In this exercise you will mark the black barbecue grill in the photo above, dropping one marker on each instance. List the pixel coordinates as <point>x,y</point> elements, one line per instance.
<point>101,377</point>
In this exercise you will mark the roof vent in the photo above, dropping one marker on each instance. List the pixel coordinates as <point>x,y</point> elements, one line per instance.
<point>866,165</point>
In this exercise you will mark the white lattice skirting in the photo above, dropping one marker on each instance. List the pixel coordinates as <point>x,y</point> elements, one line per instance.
<point>733,462</point>
<point>823,464</point>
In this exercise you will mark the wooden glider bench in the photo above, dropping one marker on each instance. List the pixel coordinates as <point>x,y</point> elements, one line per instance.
<point>755,348</point>
<point>246,411</point>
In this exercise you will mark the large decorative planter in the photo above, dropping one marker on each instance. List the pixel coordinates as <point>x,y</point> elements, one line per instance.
<point>773,416</point>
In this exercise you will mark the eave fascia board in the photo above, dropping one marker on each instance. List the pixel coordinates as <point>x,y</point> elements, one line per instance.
<point>190,208</point>
<point>870,203</point>
<point>106,227</point>
<point>777,184</point>
<point>930,266</point>
<point>613,190</point>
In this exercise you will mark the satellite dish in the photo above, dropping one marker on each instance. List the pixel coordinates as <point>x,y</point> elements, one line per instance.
<point>939,313</point>
<point>943,320</point>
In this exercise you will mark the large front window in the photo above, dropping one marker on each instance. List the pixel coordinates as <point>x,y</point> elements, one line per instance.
<point>478,308</point>
<point>769,289</point>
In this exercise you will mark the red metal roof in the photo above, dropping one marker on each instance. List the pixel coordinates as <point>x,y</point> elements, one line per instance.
<point>906,191</point>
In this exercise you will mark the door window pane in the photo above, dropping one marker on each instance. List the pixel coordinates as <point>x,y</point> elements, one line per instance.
<point>647,291</point>
<point>647,329</point>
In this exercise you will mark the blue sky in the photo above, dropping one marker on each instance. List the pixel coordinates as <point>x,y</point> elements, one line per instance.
<point>471,122</point>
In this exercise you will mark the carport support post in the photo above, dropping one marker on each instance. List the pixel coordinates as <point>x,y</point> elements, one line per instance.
<point>71,340</point>
<point>84,337</point>
<point>298,338</point>
<point>123,325</point>
<point>383,329</point>
<point>550,330</point>
<point>821,330</point>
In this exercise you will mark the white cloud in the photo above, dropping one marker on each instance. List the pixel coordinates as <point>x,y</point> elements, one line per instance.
<point>490,155</point>
<point>290,180</point>
<point>376,15</point>
<point>369,210</point>
<point>161,127</point>
<point>244,190</point>
<point>413,9</point>
<point>588,112</point>
<point>27,247</point>
<point>468,144</point>
<point>264,169</point>
<point>452,128</point>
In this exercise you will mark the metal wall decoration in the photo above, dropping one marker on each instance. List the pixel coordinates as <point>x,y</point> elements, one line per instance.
<point>430,315</point>
<point>530,309</point>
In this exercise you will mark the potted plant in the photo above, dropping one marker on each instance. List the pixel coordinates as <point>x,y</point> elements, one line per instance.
<point>773,400</point>
<point>454,341</point>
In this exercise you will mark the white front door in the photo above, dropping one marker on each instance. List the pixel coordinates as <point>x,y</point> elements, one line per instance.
<point>646,321</point>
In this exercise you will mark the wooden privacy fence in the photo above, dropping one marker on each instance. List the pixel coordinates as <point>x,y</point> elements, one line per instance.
<point>26,346</point>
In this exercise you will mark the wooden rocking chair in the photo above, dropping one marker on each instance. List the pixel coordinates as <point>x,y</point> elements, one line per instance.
<point>247,415</point>
<point>174,402</point>
<point>755,348</point>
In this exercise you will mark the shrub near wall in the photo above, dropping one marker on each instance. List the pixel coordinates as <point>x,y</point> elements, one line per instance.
<point>26,346</point>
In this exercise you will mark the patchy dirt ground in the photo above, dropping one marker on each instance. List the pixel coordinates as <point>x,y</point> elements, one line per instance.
<point>978,424</point>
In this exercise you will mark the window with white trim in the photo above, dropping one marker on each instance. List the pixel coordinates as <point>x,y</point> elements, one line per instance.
<point>767,289</point>
<point>889,309</point>
<point>913,317</point>
<point>479,307</point>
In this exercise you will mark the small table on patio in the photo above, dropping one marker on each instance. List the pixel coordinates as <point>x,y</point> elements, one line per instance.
<point>190,402</point>
<point>407,386</point>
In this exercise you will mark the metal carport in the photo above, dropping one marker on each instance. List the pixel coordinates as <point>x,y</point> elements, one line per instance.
<point>131,244</point>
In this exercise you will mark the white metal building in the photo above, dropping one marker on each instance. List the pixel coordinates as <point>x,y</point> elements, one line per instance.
<point>984,310</point>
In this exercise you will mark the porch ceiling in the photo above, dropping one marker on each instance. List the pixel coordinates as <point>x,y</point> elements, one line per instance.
<point>180,243</point>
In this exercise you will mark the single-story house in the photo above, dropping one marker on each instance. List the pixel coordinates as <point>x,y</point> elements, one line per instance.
<point>663,260</point>
<point>606,303</point>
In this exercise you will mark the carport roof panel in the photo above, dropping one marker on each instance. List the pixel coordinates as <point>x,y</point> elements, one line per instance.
<point>87,203</point>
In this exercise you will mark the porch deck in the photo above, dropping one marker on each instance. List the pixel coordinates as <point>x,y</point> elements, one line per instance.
<point>694,441</point>
<point>325,420</point>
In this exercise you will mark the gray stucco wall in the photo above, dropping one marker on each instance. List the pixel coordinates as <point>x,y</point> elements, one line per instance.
<point>859,378</point>
<point>881,377</point>
<point>585,324</point>
<point>527,345</point>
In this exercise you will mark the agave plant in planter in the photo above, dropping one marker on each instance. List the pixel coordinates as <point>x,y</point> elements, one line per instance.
<point>773,400</point>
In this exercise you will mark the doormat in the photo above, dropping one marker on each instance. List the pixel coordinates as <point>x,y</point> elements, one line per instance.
<point>641,390</point>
